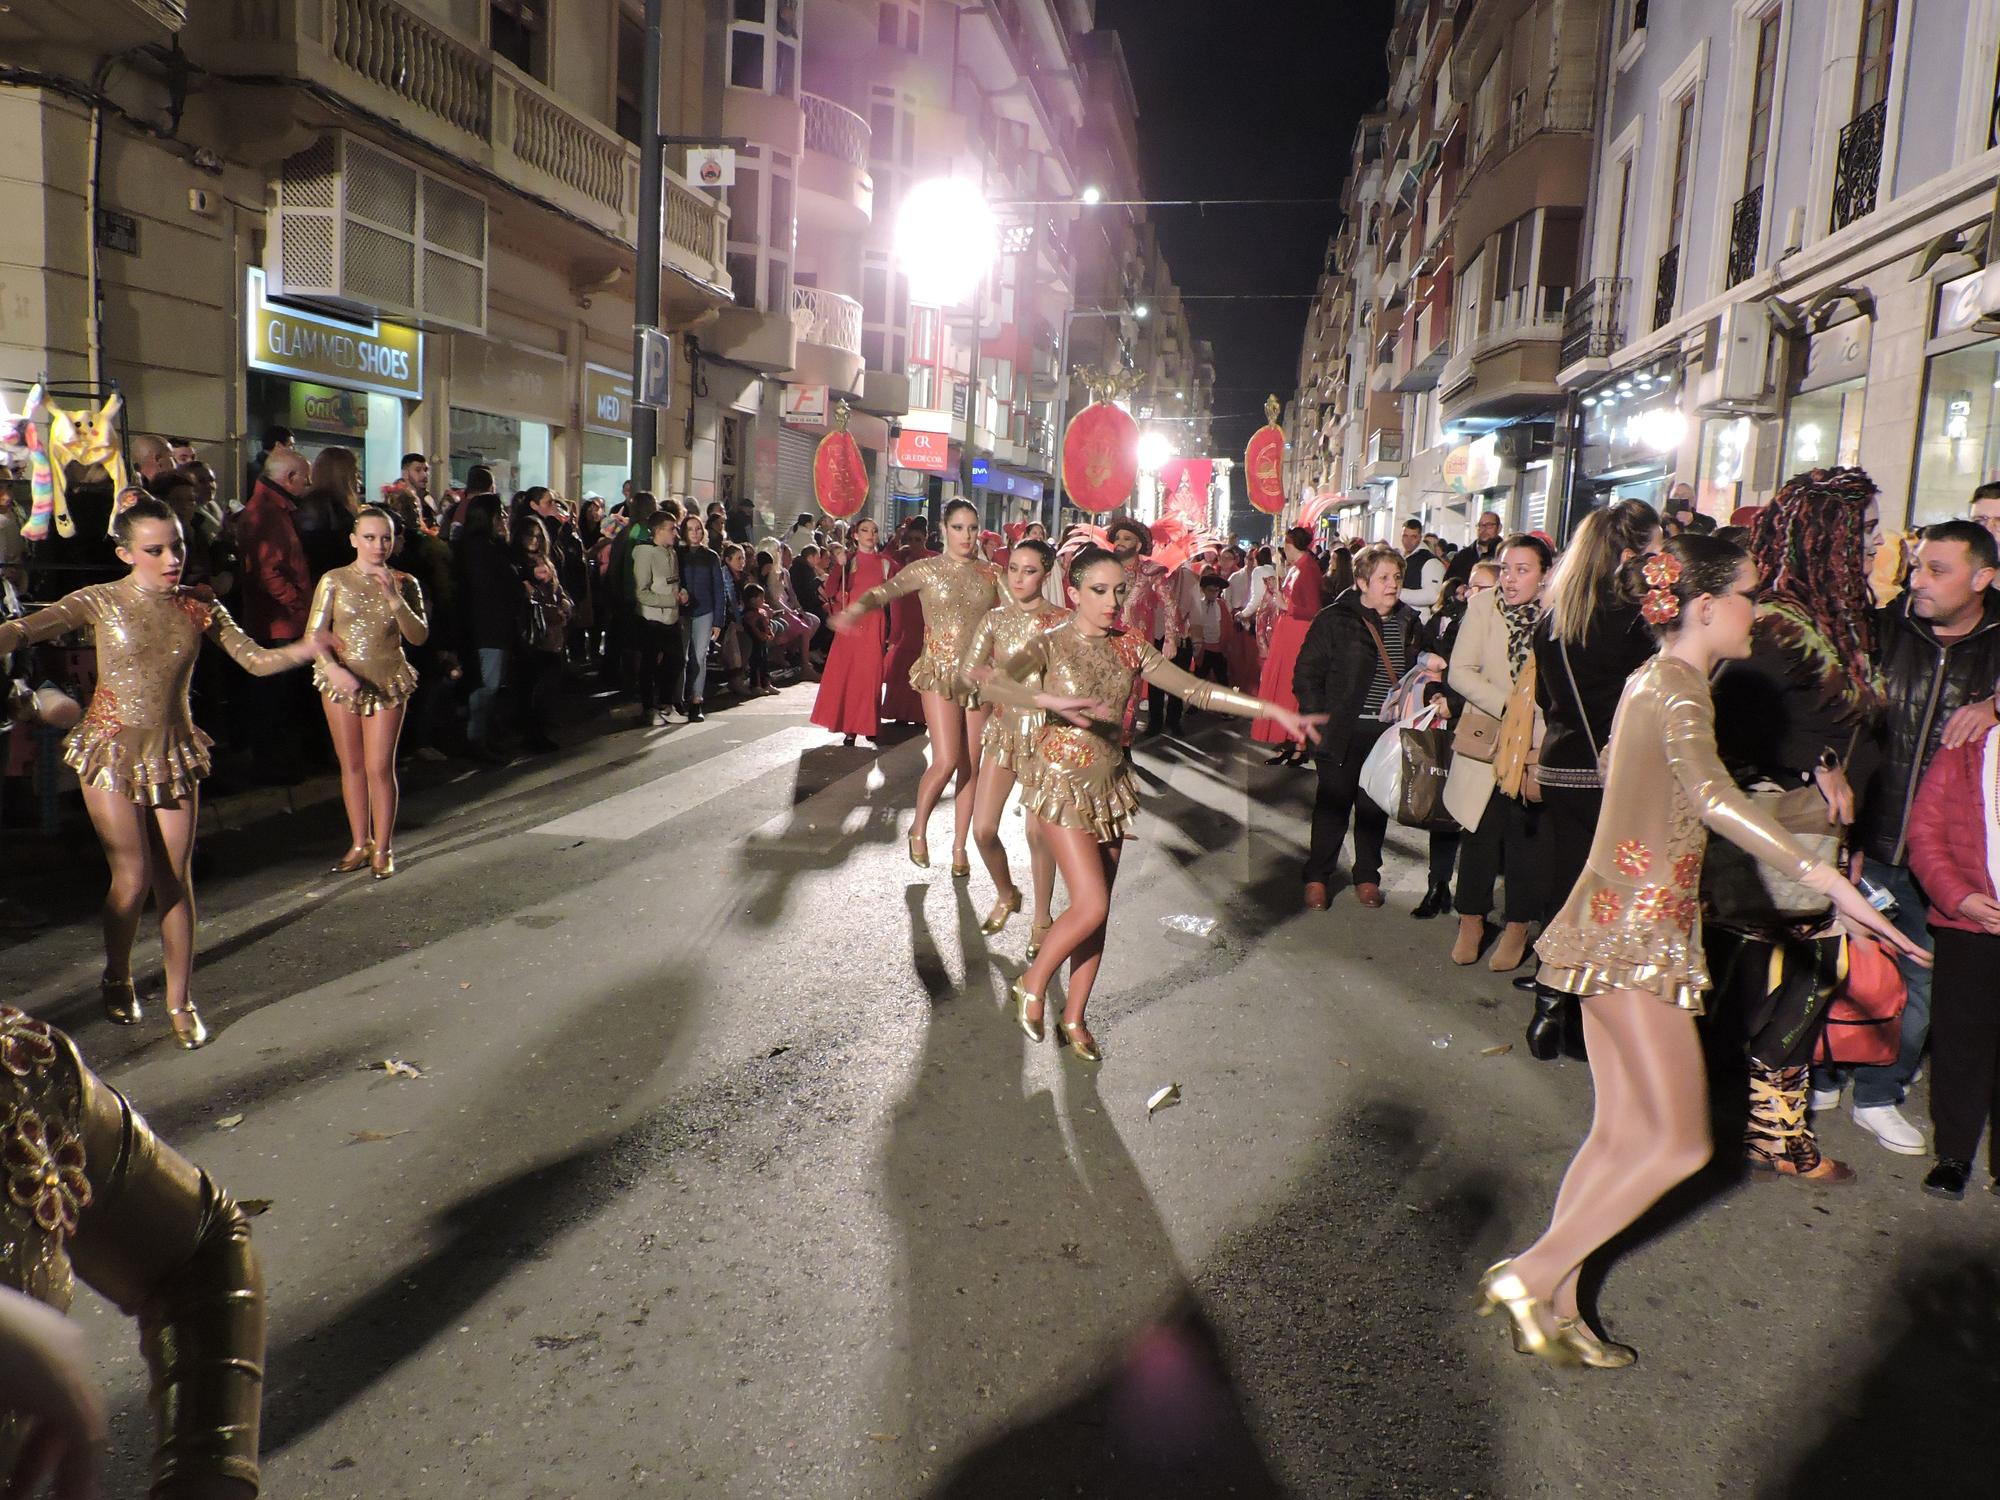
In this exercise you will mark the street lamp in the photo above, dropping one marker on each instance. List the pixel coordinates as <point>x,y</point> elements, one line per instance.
<point>1092,195</point>
<point>946,239</point>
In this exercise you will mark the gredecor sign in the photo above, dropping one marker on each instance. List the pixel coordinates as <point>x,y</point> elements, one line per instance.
<point>362,356</point>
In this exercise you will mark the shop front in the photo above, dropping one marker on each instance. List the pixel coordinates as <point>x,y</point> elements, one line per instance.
<point>1004,496</point>
<point>507,403</point>
<point>607,431</point>
<point>1823,416</point>
<point>331,381</point>
<point>1633,428</point>
<point>1958,439</point>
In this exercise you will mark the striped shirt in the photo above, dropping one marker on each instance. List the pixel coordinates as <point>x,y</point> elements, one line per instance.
<point>1395,636</point>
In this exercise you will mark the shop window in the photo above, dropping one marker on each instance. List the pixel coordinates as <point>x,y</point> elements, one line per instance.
<point>1823,427</point>
<point>1958,443</point>
<point>518,30</point>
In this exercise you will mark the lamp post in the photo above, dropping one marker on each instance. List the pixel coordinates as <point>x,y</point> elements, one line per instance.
<point>1070,315</point>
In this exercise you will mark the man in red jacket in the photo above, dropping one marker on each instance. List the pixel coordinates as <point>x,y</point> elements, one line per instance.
<point>277,590</point>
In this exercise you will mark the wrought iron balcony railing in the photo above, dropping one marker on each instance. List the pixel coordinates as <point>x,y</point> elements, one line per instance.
<point>1594,320</point>
<point>1857,171</point>
<point>1666,285</point>
<point>1745,228</point>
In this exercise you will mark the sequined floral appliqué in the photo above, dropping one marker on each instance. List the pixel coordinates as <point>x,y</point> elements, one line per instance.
<point>1632,858</point>
<point>26,1045</point>
<point>1652,903</point>
<point>1687,871</point>
<point>43,1161</point>
<point>1604,908</point>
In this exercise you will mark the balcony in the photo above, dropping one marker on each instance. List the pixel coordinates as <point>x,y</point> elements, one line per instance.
<point>835,189</point>
<point>1384,456</point>
<point>1857,171</point>
<point>829,338</point>
<point>1746,227</point>
<point>1536,153</point>
<point>103,26</point>
<point>383,61</point>
<point>1593,327</point>
<point>1508,366</point>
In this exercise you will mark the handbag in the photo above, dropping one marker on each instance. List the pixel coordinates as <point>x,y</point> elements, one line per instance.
<point>1864,1024</point>
<point>1746,892</point>
<point>1426,762</point>
<point>1477,736</point>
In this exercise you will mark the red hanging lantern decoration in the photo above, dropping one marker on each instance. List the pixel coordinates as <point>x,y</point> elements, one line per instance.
<point>1100,451</point>
<point>840,477</point>
<point>1264,462</point>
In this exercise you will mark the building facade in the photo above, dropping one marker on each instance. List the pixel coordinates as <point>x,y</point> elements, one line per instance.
<point>411,224</point>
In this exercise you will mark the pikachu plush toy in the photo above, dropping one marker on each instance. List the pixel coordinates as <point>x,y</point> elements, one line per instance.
<point>85,438</point>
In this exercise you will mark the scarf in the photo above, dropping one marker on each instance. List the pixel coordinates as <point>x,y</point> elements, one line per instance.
<point>1521,620</point>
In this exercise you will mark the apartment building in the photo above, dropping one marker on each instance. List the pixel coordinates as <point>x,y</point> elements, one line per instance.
<point>411,224</point>
<point>1787,253</point>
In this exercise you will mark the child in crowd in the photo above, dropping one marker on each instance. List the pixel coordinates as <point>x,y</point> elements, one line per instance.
<point>763,628</point>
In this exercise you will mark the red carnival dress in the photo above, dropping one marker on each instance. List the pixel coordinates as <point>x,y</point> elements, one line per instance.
<point>850,688</point>
<point>1300,593</point>
<point>906,643</point>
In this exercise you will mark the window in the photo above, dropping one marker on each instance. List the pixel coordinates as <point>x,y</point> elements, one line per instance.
<point>875,292</point>
<point>1623,220</point>
<point>763,46</point>
<point>1763,86</point>
<point>872,345</point>
<point>888,23</point>
<point>881,131</point>
<point>1683,162</point>
<point>1878,40</point>
<point>519,31</point>
<point>631,75</point>
<point>746,58</point>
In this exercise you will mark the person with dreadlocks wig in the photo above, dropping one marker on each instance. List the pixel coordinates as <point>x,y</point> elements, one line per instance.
<point>1792,724</point>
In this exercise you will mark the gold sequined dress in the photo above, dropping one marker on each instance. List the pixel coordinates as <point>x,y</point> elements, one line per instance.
<point>92,1192</point>
<point>138,738</point>
<point>372,628</point>
<point>956,594</point>
<point>1006,628</point>
<point>1076,777</point>
<point>1633,921</point>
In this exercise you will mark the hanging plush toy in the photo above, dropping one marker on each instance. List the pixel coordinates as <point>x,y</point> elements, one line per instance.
<point>21,432</point>
<point>81,438</point>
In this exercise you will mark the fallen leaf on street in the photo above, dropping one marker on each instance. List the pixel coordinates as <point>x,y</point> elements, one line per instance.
<point>1499,1051</point>
<point>885,1437</point>
<point>1343,1062</point>
<point>563,1340</point>
<point>252,1207</point>
<point>395,1067</point>
<point>369,1137</point>
<point>1165,1098</point>
<point>776,1052</point>
<point>229,1122</point>
<point>465,984</point>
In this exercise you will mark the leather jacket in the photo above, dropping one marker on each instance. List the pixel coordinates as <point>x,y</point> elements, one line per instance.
<point>1927,682</point>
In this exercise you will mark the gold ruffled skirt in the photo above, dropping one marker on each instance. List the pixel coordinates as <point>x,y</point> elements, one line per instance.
<point>1635,949</point>
<point>394,689</point>
<point>1009,740</point>
<point>933,673</point>
<point>1076,779</point>
<point>153,767</point>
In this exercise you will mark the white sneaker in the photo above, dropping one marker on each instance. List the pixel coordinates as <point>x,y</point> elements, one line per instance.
<point>1823,1101</point>
<point>1886,1123</point>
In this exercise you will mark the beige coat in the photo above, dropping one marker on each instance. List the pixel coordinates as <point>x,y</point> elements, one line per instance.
<point>1479,673</point>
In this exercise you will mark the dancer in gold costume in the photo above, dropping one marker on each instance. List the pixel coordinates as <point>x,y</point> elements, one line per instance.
<point>92,1192</point>
<point>137,752</point>
<point>367,687</point>
<point>1009,736</point>
<point>957,589</point>
<point>1628,941</point>
<point>1077,782</point>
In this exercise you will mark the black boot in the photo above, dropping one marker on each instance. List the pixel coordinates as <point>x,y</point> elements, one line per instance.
<point>1546,1030</point>
<point>1436,899</point>
<point>1573,1029</point>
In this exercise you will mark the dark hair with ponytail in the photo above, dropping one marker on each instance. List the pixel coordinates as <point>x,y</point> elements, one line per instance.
<point>1706,565</point>
<point>145,508</point>
<point>1040,549</point>
<point>1089,558</point>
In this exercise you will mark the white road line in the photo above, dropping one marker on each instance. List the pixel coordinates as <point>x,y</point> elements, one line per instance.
<point>644,808</point>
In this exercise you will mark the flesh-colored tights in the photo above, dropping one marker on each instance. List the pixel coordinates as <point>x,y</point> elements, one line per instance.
<point>366,744</point>
<point>954,736</point>
<point>1089,869</point>
<point>148,849</point>
<point>996,784</point>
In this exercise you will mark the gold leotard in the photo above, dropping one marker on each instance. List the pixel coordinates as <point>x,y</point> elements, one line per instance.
<point>956,595</point>
<point>372,628</point>
<point>1079,778</point>
<point>138,738</point>
<point>1005,629</point>
<point>1633,922</point>
<point>91,1191</point>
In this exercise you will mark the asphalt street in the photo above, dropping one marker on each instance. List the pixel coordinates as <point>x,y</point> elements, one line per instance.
<point>728,1174</point>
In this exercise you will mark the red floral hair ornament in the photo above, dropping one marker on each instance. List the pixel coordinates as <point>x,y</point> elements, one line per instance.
<point>1661,572</point>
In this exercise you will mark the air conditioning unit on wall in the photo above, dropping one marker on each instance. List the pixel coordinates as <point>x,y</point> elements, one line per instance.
<point>366,230</point>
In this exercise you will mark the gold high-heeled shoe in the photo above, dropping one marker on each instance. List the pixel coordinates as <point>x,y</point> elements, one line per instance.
<point>1079,1040</point>
<point>1022,1000</point>
<point>383,863</point>
<point>1590,1350</point>
<point>920,851</point>
<point>1035,935</point>
<point>1501,1290</point>
<point>189,1029</point>
<point>354,859</point>
<point>1004,908</point>
<point>121,1001</point>
<point>961,869</point>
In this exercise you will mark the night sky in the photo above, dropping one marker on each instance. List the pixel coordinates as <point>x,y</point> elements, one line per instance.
<point>1240,99</point>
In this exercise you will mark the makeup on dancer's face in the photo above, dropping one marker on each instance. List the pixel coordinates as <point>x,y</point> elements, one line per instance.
<point>962,533</point>
<point>1100,594</point>
<point>866,536</point>
<point>155,553</point>
<point>1026,573</point>
<point>374,540</point>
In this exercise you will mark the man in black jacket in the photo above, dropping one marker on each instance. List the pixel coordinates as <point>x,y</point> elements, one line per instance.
<point>1485,548</point>
<point>1355,652</point>
<point>1940,654</point>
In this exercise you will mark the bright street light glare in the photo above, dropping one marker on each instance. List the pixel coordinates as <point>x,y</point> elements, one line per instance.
<point>1155,448</point>
<point>1140,312</point>
<point>946,240</point>
<point>1093,194</point>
